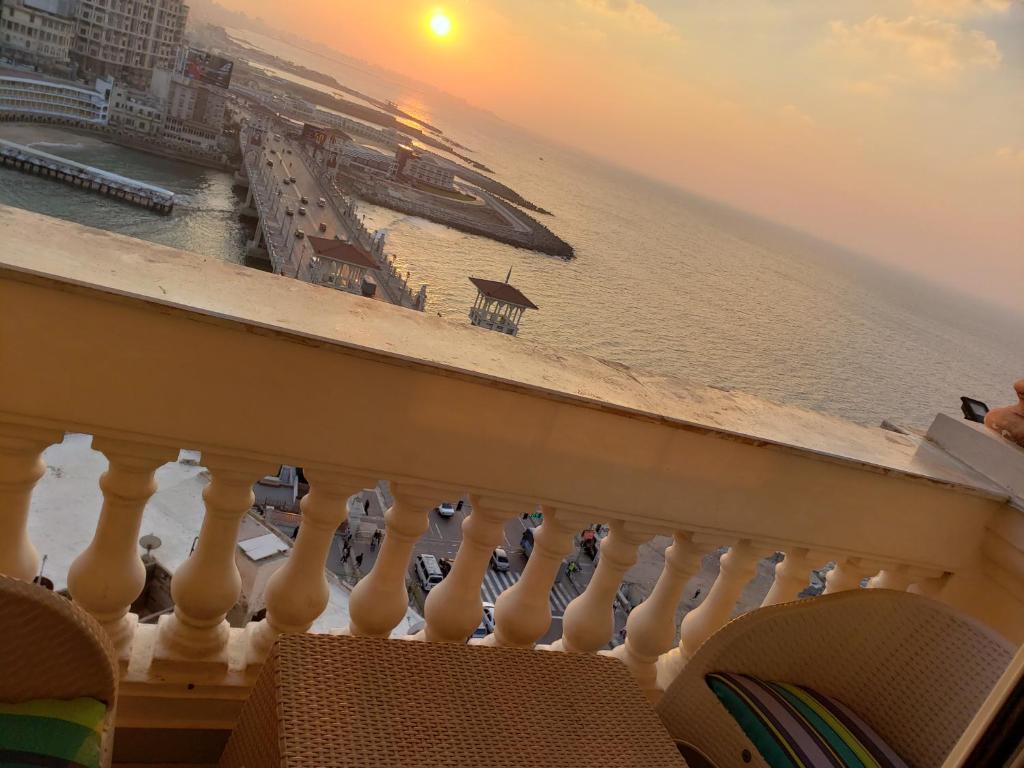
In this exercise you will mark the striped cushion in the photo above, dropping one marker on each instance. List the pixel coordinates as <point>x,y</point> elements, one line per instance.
<point>796,727</point>
<point>48,733</point>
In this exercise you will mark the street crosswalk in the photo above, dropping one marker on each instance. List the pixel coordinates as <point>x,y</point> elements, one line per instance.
<point>495,583</point>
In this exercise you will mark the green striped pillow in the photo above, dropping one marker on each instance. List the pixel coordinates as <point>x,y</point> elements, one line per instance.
<point>50,733</point>
<point>796,727</point>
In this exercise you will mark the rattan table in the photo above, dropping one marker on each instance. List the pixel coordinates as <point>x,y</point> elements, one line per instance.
<point>353,702</point>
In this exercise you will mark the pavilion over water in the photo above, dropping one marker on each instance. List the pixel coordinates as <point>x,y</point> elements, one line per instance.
<point>498,306</point>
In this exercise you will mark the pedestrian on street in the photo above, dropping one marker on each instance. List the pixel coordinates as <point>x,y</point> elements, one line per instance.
<point>359,560</point>
<point>366,506</point>
<point>458,507</point>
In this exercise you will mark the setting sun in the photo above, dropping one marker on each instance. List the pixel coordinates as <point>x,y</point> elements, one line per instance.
<point>440,24</point>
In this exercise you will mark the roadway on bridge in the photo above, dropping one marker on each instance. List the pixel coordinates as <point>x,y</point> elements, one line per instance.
<point>285,165</point>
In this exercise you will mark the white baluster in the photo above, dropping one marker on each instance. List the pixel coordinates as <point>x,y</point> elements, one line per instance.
<point>380,600</point>
<point>453,608</point>
<point>522,613</point>
<point>589,619</point>
<point>651,626</point>
<point>930,585</point>
<point>21,466</point>
<point>792,575</point>
<point>207,585</point>
<point>297,592</point>
<point>109,574</point>
<point>738,567</point>
<point>899,577</point>
<point>848,574</point>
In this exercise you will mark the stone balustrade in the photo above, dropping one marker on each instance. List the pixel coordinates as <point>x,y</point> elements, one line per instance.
<point>151,350</point>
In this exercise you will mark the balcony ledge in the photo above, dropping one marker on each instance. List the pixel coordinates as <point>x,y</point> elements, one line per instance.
<point>40,249</point>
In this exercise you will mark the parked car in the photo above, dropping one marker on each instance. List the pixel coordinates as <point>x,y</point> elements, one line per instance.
<point>428,572</point>
<point>526,542</point>
<point>446,509</point>
<point>304,200</point>
<point>486,622</point>
<point>322,202</point>
<point>270,163</point>
<point>291,178</point>
<point>499,560</point>
<point>323,226</point>
<point>289,211</point>
<point>299,234</point>
<point>302,210</point>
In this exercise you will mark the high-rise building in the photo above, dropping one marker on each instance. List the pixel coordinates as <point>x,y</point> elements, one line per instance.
<point>194,110</point>
<point>128,39</point>
<point>37,32</point>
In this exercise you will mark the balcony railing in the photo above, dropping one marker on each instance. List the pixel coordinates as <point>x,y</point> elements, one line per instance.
<point>151,350</point>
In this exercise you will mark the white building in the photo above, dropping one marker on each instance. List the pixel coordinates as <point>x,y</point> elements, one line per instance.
<point>32,94</point>
<point>194,111</point>
<point>427,171</point>
<point>39,32</point>
<point>128,39</point>
<point>137,111</point>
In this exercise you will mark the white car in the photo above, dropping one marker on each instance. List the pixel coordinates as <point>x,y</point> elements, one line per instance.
<point>499,560</point>
<point>428,572</point>
<point>486,622</point>
<point>302,210</point>
<point>446,509</point>
<point>322,202</point>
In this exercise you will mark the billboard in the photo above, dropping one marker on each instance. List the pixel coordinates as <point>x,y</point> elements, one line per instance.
<point>314,134</point>
<point>206,68</point>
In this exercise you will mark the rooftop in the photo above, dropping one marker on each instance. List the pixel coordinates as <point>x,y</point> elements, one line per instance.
<point>492,289</point>
<point>340,250</point>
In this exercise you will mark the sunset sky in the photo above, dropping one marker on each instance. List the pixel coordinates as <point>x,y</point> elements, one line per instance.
<point>895,127</point>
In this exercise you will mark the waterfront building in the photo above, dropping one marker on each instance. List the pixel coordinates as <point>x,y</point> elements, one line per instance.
<point>137,111</point>
<point>128,39</point>
<point>339,264</point>
<point>498,306</point>
<point>368,160</point>
<point>413,166</point>
<point>32,94</point>
<point>388,137</point>
<point>37,32</point>
<point>194,110</point>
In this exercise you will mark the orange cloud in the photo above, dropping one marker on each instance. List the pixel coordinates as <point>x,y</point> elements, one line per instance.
<point>914,50</point>
<point>638,16</point>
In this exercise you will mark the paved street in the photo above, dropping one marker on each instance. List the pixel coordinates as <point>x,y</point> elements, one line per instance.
<point>281,227</point>
<point>442,540</point>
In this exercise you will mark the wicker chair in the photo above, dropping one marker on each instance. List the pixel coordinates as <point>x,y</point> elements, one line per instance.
<point>52,649</point>
<point>916,670</point>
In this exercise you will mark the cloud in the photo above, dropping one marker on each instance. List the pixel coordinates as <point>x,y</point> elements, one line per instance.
<point>885,53</point>
<point>634,13</point>
<point>957,9</point>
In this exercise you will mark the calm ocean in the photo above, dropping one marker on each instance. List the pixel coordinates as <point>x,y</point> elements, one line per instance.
<point>663,280</point>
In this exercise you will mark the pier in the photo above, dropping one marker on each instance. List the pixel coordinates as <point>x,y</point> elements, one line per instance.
<point>30,160</point>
